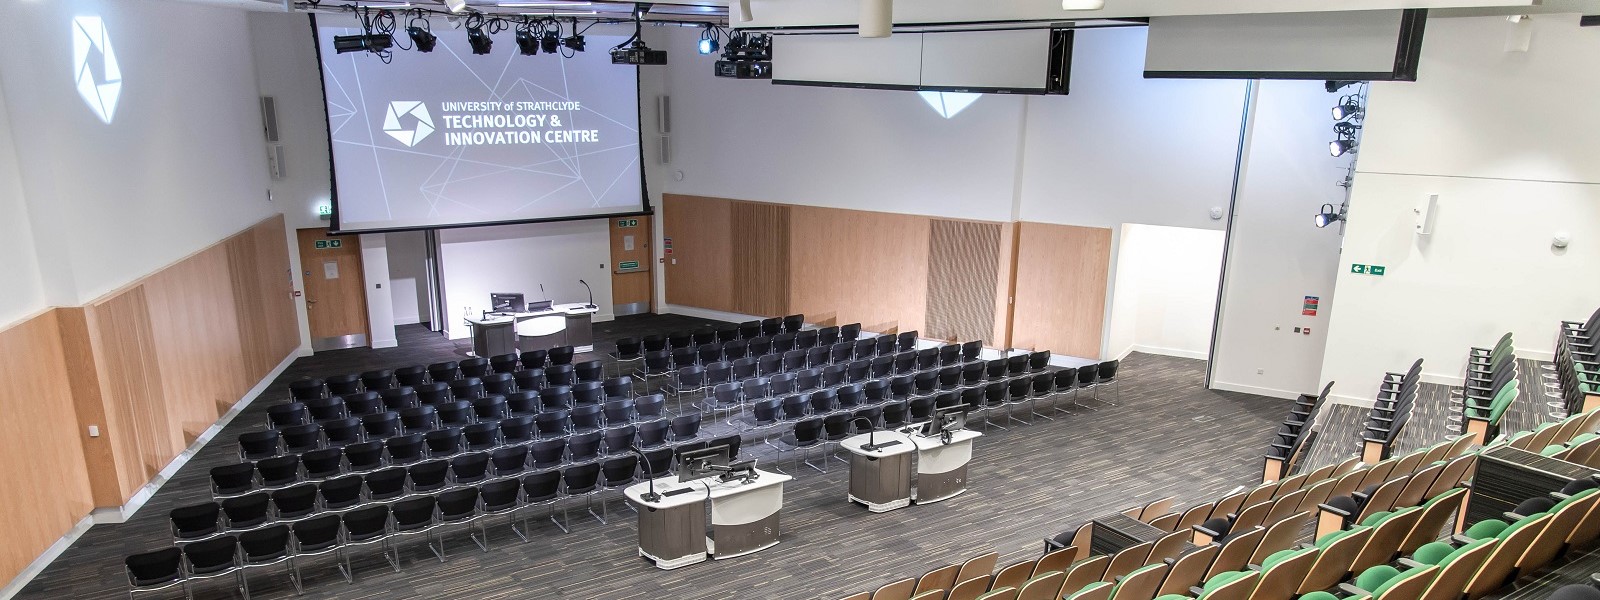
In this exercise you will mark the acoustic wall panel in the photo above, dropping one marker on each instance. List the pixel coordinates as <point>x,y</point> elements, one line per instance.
<point>760,258</point>
<point>1380,45</point>
<point>1061,288</point>
<point>698,250</point>
<point>963,272</point>
<point>859,266</point>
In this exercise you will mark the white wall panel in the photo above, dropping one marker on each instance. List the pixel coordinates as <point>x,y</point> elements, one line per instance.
<point>480,261</point>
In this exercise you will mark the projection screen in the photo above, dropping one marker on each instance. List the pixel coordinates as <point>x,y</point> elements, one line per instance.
<point>450,139</point>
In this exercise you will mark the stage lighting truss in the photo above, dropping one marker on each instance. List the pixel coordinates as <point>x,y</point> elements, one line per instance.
<point>1348,115</point>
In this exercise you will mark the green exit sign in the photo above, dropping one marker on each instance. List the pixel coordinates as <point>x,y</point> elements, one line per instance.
<point>1361,269</point>
<point>325,209</point>
<point>628,264</point>
<point>1375,270</point>
<point>625,223</point>
<point>326,244</point>
<point>1358,269</point>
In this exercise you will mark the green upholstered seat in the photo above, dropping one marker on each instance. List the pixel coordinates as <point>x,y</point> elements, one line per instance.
<point>1374,577</point>
<point>1432,553</point>
<point>1486,528</point>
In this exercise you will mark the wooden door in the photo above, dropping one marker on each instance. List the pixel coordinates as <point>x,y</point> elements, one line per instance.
<point>632,282</point>
<point>336,300</point>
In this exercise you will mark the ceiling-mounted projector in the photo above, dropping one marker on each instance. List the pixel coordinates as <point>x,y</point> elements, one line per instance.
<point>638,54</point>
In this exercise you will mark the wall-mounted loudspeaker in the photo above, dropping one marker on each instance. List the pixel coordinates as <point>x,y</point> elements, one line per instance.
<point>664,115</point>
<point>666,150</point>
<point>1426,215</point>
<point>275,161</point>
<point>269,118</point>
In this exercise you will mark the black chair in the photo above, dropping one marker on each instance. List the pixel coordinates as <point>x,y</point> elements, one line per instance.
<point>949,354</point>
<point>365,456</point>
<point>386,484</point>
<point>313,537</point>
<point>499,384</point>
<point>618,413</point>
<point>455,414</point>
<point>210,559</point>
<point>876,391</point>
<point>280,471</point>
<point>414,375</point>
<point>508,461</point>
<point>995,369</point>
<point>256,445</point>
<point>501,497</point>
<point>795,407</point>
<point>467,388</point>
<point>1065,380</point>
<point>619,440</point>
<point>263,548</point>
<point>154,571</point>
<point>835,428</point>
<point>475,367</point>
<point>523,403</point>
<point>793,323</point>
<point>539,489</point>
<point>490,408</point>
<point>560,355</point>
<point>921,408</point>
<point>340,493</point>
<point>896,414</point>
<point>377,380</point>
<point>589,370</point>
<point>307,389</point>
<point>653,433</point>
<point>419,419</point>
<point>516,430</point>
<point>884,344</point>
<point>529,380</point>
<point>1106,374</point>
<point>649,408</point>
<point>363,526</point>
<point>905,363</point>
<point>534,359</point>
<point>412,516</point>
<point>749,329</point>
<point>580,480</point>
<point>560,375</point>
<point>399,398</point>
<point>685,427</point>
<point>504,363</point>
<point>617,387</point>
<point>553,423</point>
<point>806,434</point>
<point>468,469</point>
<point>195,522</point>
<point>292,503</point>
<point>1087,375</point>
<point>427,476</point>
<point>232,479</point>
<point>557,397</point>
<point>828,336</point>
<point>794,360</point>
<point>324,409</point>
<point>433,393</point>
<point>364,403</point>
<point>406,449</point>
<point>322,464</point>
<point>481,436</point>
<point>341,432</point>
<point>629,351</point>
<point>817,356</point>
<point>764,414</point>
<point>971,351</point>
<point>287,414</point>
<point>584,447</point>
<point>443,443</point>
<point>616,473</point>
<point>380,426</point>
<point>547,454</point>
<point>588,392</point>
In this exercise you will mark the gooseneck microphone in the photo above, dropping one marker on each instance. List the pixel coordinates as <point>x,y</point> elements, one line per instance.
<point>872,429</point>
<point>591,294</point>
<point>650,496</point>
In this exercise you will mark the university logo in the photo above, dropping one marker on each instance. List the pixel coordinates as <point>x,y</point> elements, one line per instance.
<point>402,108</point>
<point>91,56</point>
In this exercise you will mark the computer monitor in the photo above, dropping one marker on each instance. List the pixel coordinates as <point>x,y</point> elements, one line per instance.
<point>696,464</point>
<point>539,305</point>
<point>951,418</point>
<point>507,302</point>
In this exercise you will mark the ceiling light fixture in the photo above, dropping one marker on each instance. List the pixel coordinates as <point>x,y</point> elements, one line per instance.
<point>422,38</point>
<point>551,42</point>
<point>478,38</point>
<point>708,40</point>
<point>1347,108</point>
<point>527,44</point>
<point>877,18</point>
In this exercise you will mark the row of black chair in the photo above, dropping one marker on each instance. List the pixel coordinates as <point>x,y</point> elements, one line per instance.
<point>1294,435</point>
<point>1577,365</point>
<point>440,372</point>
<point>1391,410</point>
<point>463,388</point>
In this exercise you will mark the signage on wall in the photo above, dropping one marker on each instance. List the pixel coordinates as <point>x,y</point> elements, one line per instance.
<point>625,223</point>
<point>326,244</point>
<point>1361,269</point>
<point>667,243</point>
<point>1309,308</point>
<point>628,265</point>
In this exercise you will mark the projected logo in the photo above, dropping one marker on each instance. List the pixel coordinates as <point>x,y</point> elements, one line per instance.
<point>422,122</point>
<point>95,67</point>
<point>949,104</point>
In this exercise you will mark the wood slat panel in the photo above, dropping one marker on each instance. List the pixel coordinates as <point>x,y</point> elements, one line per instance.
<point>136,425</point>
<point>963,271</point>
<point>760,236</point>
<point>264,293</point>
<point>41,461</point>
<point>866,267</point>
<point>195,325</point>
<point>699,270</point>
<point>1061,288</point>
<point>1004,287</point>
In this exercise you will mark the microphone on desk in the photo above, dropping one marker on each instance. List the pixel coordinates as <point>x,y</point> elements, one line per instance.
<point>873,428</point>
<point>541,292</point>
<point>591,294</point>
<point>650,496</point>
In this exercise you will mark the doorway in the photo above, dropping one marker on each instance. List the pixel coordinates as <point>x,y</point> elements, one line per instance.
<point>336,300</point>
<point>632,285</point>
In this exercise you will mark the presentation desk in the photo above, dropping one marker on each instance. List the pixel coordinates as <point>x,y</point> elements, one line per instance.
<point>881,479</point>
<point>744,518</point>
<point>561,325</point>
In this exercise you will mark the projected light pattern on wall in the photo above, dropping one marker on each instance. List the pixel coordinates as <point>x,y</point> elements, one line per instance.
<point>949,104</point>
<point>94,67</point>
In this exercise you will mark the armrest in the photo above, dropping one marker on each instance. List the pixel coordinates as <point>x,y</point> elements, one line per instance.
<point>1512,517</point>
<point>1408,563</point>
<point>1252,567</point>
<point>1196,591</point>
<point>1353,591</point>
<point>1335,510</point>
<point>1170,561</point>
<point>1213,534</point>
<point>1460,540</point>
<point>1361,498</point>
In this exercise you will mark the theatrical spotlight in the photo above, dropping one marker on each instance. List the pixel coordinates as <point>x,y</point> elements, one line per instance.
<point>1346,141</point>
<point>708,40</point>
<point>551,42</point>
<point>477,37</point>
<point>574,43</point>
<point>527,43</point>
<point>1328,216</point>
<point>370,42</point>
<point>1346,109</point>
<point>422,39</point>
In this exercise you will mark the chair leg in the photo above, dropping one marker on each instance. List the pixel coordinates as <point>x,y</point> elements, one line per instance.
<point>565,520</point>
<point>1036,413</point>
<point>344,567</point>
<point>244,584</point>
<point>294,577</point>
<point>437,551</point>
<point>391,554</point>
<point>602,516</point>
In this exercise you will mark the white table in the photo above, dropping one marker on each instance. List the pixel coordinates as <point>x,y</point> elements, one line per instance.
<point>560,325</point>
<point>941,467</point>
<point>744,518</point>
<point>880,479</point>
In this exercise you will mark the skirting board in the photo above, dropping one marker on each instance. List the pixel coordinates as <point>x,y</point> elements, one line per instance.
<point>120,514</point>
<point>706,313</point>
<point>50,555</point>
<point>1173,352</point>
<point>1259,391</point>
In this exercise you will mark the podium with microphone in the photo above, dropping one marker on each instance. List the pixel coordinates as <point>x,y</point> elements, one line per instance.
<point>880,469</point>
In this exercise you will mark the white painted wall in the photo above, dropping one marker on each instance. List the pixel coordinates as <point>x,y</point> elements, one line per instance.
<point>180,166</point>
<point>518,258</point>
<point>1507,141</point>
<point>1166,291</point>
<point>19,263</point>
<point>408,277</point>
<point>1124,149</point>
<point>1277,256</point>
<point>375,273</point>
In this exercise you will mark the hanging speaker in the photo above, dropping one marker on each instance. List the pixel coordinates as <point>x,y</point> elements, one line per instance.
<point>666,150</point>
<point>664,115</point>
<point>269,118</point>
<point>877,18</point>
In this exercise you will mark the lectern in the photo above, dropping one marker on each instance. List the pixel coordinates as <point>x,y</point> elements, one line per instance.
<point>941,466</point>
<point>880,478</point>
<point>744,518</point>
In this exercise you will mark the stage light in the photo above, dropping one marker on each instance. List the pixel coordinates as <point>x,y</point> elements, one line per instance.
<point>527,43</point>
<point>877,18</point>
<point>574,43</point>
<point>1082,4</point>
<point>370,42</point>
<point>422,39</point>
<point>1348,108</point>
<point>1327,216</point>
<point>456,6</point>
<point>708,40</point>
<point>1341,147</point>
<point>480,41</point>
<point>550,43</point>
<point>1346,140</point>
<point>744,11</point>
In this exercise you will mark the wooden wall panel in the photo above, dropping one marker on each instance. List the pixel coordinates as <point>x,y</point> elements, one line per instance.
<point>264,292</point>
<point>1004,287</point>
<point>45,491</point>
<point>194,319</point>
<point>136,427</point>
<point>1061,288</point>
<point>963,270</point>
<point>699,270</point>
<point>760,236</point>
<point>866,267</point>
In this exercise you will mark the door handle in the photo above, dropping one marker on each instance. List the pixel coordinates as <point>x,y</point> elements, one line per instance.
<point>310,301</point>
